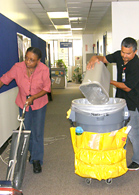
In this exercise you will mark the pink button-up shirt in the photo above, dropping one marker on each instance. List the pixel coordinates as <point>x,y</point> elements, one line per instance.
<point>37,82</point>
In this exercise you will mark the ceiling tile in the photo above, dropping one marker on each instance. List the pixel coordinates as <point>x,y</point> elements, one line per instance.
<point>30,1</point>
<point>82,1</point>
<point>103,4</point>
<point>104,1</point>
<point>89,18</point>
<point>45,21</point>
<point>54,5</point>
<point>62,21</point>
<point>42,15</point>
<point>78,25</point>
<point>79,9</point>
<point>38,10</point>
<point>78,4</point>
<point>34,5</point>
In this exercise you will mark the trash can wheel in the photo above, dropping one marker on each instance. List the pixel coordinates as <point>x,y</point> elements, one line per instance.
<point>88,181</point>
<point>108,181</point>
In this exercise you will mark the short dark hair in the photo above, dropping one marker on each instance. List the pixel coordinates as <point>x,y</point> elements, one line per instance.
<point>36,51</point>
<point>129,42</point>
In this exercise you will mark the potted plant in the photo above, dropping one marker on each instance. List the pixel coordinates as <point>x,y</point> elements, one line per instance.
<point>60,64</point>
<point>77,76</point>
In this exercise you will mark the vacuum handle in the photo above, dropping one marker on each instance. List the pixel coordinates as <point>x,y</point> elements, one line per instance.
<point>11,176</point>
<point>24,110</point>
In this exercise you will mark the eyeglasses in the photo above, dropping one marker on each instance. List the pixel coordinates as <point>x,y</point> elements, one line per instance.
<point>30,59</point>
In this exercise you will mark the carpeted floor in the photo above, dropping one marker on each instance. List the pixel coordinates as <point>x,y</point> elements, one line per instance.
<point>58,177</point>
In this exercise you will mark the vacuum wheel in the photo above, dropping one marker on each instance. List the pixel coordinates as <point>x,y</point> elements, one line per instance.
<point>88,181</point>
<point>108,181</point>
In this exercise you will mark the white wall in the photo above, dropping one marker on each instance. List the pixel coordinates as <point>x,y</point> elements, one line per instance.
<point>17,11</point>
<point>125,22</point>
<point>104,27</point>
<point>8,114</point>
<point>87,47</point>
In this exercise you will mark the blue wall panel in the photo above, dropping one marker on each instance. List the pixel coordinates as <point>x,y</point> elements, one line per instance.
<point>9,46</point>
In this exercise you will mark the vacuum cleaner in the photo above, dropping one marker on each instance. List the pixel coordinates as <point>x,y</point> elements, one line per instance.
<point>17,160</point>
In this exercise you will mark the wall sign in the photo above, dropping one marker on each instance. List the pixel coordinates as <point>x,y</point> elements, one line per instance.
<point>65,44</point>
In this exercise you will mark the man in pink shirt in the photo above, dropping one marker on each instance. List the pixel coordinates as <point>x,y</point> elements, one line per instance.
<point>33,81</point>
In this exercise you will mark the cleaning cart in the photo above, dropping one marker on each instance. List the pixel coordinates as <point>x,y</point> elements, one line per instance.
<point>99,129</point>
<point>17,160</point>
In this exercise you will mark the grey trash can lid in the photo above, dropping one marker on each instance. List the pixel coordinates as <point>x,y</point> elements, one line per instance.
<point>95,93</point>
<point>96,83</point>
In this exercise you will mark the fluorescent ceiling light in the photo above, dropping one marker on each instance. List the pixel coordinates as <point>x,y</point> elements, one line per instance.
<point>75,18</point>
<point>53,36</point>
<point>62,26</point>
<point>58,14</point>
<point>77,28</point>
<point>61,32</point>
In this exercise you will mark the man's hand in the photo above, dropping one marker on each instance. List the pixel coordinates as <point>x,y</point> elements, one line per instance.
<point>92,62</point>
<point>96,59</point>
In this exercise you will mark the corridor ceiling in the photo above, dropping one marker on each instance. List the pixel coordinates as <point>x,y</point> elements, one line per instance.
<point>83,16</point>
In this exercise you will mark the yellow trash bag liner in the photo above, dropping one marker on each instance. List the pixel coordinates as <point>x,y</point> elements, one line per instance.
<point>68,113</point>
<point>100,155</point>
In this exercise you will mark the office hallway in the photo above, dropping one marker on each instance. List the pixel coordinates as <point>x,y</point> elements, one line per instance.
<point>58,177</point>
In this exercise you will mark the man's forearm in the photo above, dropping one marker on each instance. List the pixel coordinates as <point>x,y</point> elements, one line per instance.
<point>120,85</point>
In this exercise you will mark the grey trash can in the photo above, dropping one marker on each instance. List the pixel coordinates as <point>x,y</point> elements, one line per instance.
<point>99,118</point>
<point>97,112</point>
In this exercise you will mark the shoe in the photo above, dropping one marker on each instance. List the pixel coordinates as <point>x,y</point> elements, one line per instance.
<point>37,166</point>
<point>133,166</point>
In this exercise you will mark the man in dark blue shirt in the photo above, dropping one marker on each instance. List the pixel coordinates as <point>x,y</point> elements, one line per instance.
<point>127,87</point>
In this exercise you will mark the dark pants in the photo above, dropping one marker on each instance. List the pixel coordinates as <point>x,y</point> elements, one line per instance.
<point>34,121</point>
<point>134,134</point>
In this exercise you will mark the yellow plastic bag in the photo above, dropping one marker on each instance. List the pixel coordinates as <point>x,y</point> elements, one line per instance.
<point>100,155</point>
<point>68,113</point>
